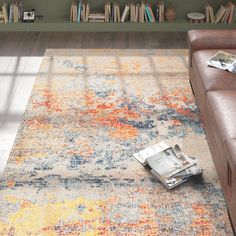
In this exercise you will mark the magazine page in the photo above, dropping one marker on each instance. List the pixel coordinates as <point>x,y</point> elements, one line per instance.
<point>191,171</point>
<point>232,68</point>
<point>223,60</point>
<point>150,151</point>
<point>169,182</point>
<point>167,163</point>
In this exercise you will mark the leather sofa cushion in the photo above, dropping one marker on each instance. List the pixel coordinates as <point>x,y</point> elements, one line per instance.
<point>210,78</point>
<point>211,39</point>
<point>221,107</point>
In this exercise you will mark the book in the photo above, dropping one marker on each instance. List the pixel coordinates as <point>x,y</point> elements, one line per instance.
<point>84,12</point>
<point>15,12</point>
<point>142,12</point>
<point>125,13</point>
<point>107,11</point>
<point>207,12</point>
<point>79,11</point>
<point>132,11</point>
<point>116,12</point>
<point>157,13</point>
<point>1,17</point>
<point>169,165</point>
<point>73,11</point>
<point>87,12</point>
<point>149,17</point>
<point>11,15</point>
<point>96,17</point>
<point>220,13</point>
<point>231,8</point>
<point>161,11</point>
<point>224,61</point>
<point>5,14</point>
<point>20,9</point>
<point>151,12</point>
<point>137,12</point>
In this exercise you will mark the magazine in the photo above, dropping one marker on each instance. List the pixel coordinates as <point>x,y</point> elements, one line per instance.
<point>224,61</point>
<point>169,165</point>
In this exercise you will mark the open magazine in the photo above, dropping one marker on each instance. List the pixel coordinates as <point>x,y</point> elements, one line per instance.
<point>223,61</point>
<point>170,165</point>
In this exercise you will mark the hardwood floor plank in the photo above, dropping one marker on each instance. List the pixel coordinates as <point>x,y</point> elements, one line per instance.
<point>4,154</point>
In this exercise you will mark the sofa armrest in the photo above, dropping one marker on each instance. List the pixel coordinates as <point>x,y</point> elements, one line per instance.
<point>210,39</point>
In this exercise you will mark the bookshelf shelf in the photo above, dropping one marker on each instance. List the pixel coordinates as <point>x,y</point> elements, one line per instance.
<point>57,13</point>
<point>62,25</point>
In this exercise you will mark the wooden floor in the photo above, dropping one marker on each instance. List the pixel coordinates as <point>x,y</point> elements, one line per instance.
<point>22,53</point>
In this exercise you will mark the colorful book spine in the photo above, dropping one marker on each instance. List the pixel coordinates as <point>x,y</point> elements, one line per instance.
<point>79,12</point>
<point>148,14</point>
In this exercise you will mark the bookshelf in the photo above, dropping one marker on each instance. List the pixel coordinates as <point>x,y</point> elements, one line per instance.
<point>56,18</point>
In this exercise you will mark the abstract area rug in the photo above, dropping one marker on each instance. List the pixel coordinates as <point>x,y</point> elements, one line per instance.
<point>71,170</point>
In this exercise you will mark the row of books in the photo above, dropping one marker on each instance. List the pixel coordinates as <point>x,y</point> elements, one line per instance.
<point>13,13</point>
<point>133,12</point>
<point>225,14</point>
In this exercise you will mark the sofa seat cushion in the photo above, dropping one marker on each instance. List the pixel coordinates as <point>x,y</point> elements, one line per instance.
<point>221,107</point>
<point>221,126</point>
<point>210,78</point>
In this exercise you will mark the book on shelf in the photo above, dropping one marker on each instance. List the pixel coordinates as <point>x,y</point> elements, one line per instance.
<point>11,16</point>
<point>137,12</point>
<point>79,11</point>
<point>116,12</point>
<point>149,12</point>
<point>142,12</point>
<point>125,13</point>
<point>168,164</point>
<point>73,11</point>
<point>13,13</point>
<point>132,11</point>
<point>224,61</point>
<point>231,15</point>
<point>96,17</point>
<point>160,11</point>
<point>87,7</point>
<point>108,15</point>
<point>5,13</point>
<point>1,17</point>
<point>220,13</point>
<point>225,14</point>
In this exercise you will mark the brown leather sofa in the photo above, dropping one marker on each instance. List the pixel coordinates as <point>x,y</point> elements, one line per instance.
<point>215,94</point>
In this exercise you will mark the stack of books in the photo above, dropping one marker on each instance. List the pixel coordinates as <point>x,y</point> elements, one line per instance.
<point>138,12</point>
<point>12,13</point>
<point>225,14</point>
<point>79,11</point>
<point>134,12</point>
<point>169,165</point>
<point>96,17</point>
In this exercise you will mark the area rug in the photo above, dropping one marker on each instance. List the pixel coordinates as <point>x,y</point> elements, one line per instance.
<point>71,170</point>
